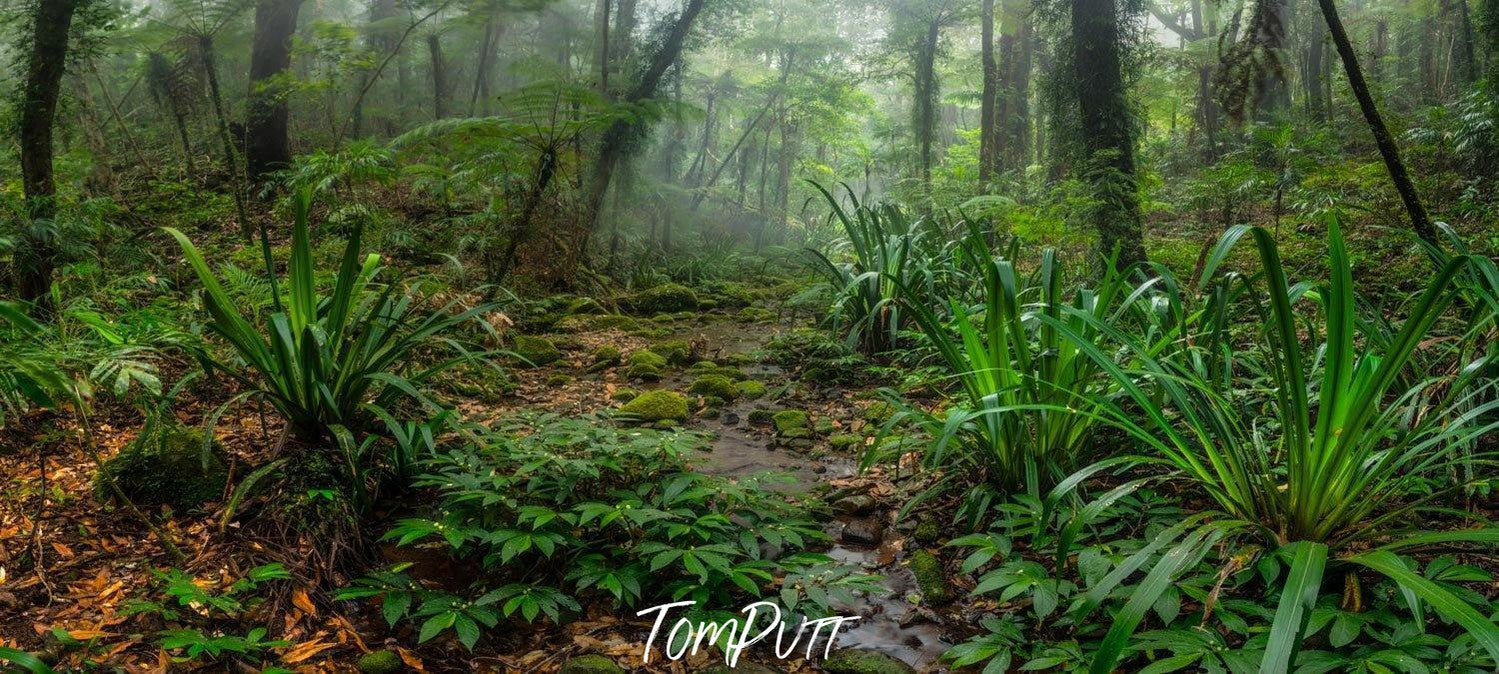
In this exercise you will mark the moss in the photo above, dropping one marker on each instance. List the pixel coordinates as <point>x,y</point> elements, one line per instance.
<point>750,389</point>
<point>715,385</point>
<point>930,578</point>
<point>706,304</point>
<point>703,365</point>
<point>657,406</point>
<point>380,662</point>
<point>864,661</point>
<point>153,470</point>
<point>762,417</point>
<point>675,351</point>
<point>667,297</point>
<point>597,322</point>
<point>789,422</point>
<point>559,380</point>
<point>607,354</point>
<point>845,441</point>
<point>624,395</point>
<point>537,351</point>
<point>823,426</point>
<point>643,372</point>
<point>927,531</point>
<point>756,315</point>
<point>585,305</point>
<point>879,411</point>
<point>713,403</point>
<point>648,357</point>
<point>591,664</point>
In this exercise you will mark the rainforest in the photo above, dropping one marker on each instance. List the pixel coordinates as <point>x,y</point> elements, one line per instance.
<point>778,336</point>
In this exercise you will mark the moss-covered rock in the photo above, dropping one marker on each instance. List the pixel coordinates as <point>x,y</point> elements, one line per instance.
<point>643,372</point>
<point>845,441</point>
<point>154,470</point>
<point>930,578</point>
<point>824,426</point>
<point>585,305</point>
<point>789,422</point>
<point>667,297</point>
<point>755,315</point>
<point>606,355</point>
<point>597,322</point>
<point>559,380</point>
<point>537,351</point>
<point>380,662</point>
<point>591,664</point>
<point>864,661</point>
<point>648,357</point>
<point>762,417</point>
<point>714,385</point>
<point>624,395</point>
<point>927,531</point>
<point>657,406</point>
<point>675,351</point>
<point>750,389</point>
<point>741,667</point>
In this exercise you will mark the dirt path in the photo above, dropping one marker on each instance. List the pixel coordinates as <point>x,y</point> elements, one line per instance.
<point>891,622</point>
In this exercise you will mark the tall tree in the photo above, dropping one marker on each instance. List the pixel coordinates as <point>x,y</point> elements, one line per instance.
<point>45,64</point>
<point>1420,222</point>
<point>266,143</point>
<point>988,119</point>
<point>439,76</point>
<point>1107,129</point>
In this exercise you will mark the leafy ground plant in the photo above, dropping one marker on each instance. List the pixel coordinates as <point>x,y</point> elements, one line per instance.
<point>554,512</point>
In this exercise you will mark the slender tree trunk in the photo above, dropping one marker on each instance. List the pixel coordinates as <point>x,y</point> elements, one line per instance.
<point>1388,151</point>
<point>266,142</point>
<point>616,139</point>
<point>481,69</point>
<point>926,101</point>
<point>231,164</point>
<point>1108,134</point>
<point>1467,55</point>
<point>601,44</point>
<point>988,118</point>
<point>1273,92</point>
<point>1316,70</point>
<point>439,77</point>
<point>45,65</point>
<point>1488,34</point>
<point>1017,145</point>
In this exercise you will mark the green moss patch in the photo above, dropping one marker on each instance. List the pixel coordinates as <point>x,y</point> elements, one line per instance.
<point>657,406</point>
<point>167,468</point>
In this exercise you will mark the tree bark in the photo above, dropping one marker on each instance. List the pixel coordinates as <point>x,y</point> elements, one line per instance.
<point>266,142</point>
<point>925,114</point>
<point>45,65</point>
<point>231,164</point>
<point>988,120</point>
<point>1420,222</point>
<point>439,77</point>
<point>1017,145</point>
<point>1108,131</point>
<point>1272,91</point>
<point>613,146</point>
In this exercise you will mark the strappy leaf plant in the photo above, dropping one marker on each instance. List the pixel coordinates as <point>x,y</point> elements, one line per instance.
<point>1339,471</point>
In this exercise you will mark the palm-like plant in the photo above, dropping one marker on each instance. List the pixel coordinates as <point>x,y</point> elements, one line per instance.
<point>1029,392</point>
<point>331,364</point>
<point>1351,461</point>
<point>887,252</point>
<point>30,376</point>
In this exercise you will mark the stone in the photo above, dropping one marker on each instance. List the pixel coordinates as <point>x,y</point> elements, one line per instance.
<point>787,422</point>
<point>930,578</point>
<point>676,351</point>
<point>823,426</point>
<point>845,441</point>
<point>858,504</point>
<point>716,386</point>
<point>151,470</point>
<point>761,417</point>
<point>664,298</point>
<point>380,662</point>
<point>756,315</point>
<point>864,661</point>
<point>927,531</point>
<point>647,357</point>
<point>557,380</point>
<point>742,667</point>
<point>750,389</point>
<point>624,394</point>
<point>537,351</point>
<point>591,664</point>
<point>863,531</point>
<point>657,406</point>
<point>607,354</point>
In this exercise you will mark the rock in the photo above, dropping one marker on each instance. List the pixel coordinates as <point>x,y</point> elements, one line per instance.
<point>380,662</point>
<point>930,578</point>
<point>675,351</point>
<point>623,395</point>
<point>152,470</point>
<point>864,661</point>
<point>537,351</point>
<point>800,444</point>
<point>756,315</point>
<point>664,298</point>
<point>927,531</point>
<point>787,422</point>
<point>559,380</point>
<point>596,322</point>
<point>823,426</point>
<point>845,441</point>
<point>647,357</point>
<point>857,504</point>
<point>607,354</point>
<point>591,664</point>
<point>761,417</point>
<point>657,406</point>
<point>585,305</point>
<point>863,532</point>
<point>750,389</point>
<point>713,385</point>
<point>731,418</point>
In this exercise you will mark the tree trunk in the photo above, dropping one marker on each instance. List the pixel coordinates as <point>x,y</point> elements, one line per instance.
<point>1466,55</point>
<point>1316,70</point>
<point>45,65</point>
<point>925,116</point>
<point>1017,145</point>
<point>266,143</point>
<point>231,165</point>
<point>1272,92</point>
<point>1108,133</point>
<point>601,44</point>
<point>1488,34</point>
<point>439,77</point>
<point>616,139</point>
<point>1387,149</point>
<point>988,120</point>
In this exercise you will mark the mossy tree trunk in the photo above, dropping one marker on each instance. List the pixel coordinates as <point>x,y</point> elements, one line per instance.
<point>266,142</point>
<point>1108,131</point>
<point>45,65</point>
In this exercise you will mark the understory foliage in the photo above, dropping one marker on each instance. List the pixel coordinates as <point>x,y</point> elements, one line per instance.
<point>550,513</point>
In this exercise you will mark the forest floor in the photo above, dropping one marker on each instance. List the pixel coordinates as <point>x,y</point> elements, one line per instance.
<point>96,558</point>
